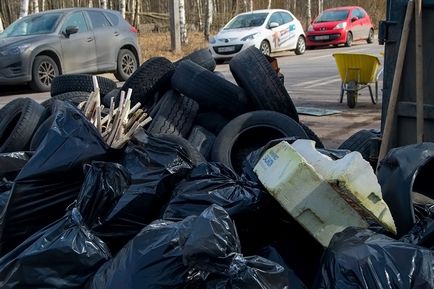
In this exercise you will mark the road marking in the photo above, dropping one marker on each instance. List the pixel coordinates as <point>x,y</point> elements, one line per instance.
<point>323,83</point>
<point>329,55</point>
<point>304,83</point>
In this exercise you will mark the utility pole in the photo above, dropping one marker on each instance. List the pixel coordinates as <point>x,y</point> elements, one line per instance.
<point>175,31</point>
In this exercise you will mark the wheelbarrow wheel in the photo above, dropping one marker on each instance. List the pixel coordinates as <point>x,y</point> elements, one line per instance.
<point>351,99</point>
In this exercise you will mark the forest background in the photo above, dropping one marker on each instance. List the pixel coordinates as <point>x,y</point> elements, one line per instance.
<point>198,18</point>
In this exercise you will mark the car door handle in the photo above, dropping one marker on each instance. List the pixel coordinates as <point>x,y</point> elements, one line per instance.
<point>116,33</point>
<point>90,39</point>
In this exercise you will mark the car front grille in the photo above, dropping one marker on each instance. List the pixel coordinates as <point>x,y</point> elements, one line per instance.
<point>331,37</point>
<point>237,49</point>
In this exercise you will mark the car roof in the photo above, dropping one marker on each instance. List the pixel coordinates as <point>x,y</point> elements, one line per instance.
<point>264,11</point>
<point>63,10</point>
<point>342,8</point>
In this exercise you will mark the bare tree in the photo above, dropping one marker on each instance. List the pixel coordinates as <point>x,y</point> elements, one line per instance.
<point>24,8</point>
<point>269,4</point>
<point>309,11</point>
<point>122,5</point>
<point>182,27</point>
<point>208,19</point>
<point>43,5</point>
<point>320,6</point>
<point>90,4</point>
<point>1,24</point>
<point>103,4</point>
<point>35,6</point>
<point>251,5</point>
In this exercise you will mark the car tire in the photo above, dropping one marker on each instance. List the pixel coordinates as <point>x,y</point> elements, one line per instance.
<point>370,36</point>
<point>80,82</point>
<point>202,140</point>
<point>201,57</point>
<point>18,121</point>
<point>74,97</point>
<point>361,141</point>
<point>212,92</point>
<point>301,45</point>
<point>254,73</point>
<point>44,71</point>
<point>252,130</point>
<point>106,100</point>
<point>175,115</point>
<point>312,135</point>
<point>265,47</point>
<point>212,121</point>
<point>349,40</point>
<point>150,78</point>
<point>127,64</point>
<point>193,154</point>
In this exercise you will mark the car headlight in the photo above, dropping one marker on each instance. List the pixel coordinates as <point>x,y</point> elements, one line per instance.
<point>341,25</point>
<point>212,40</point>
<point>310,28</point>
<point>16,50</point>
<point>249,37</point>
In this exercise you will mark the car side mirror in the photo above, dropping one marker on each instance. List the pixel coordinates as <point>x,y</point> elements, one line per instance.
<point>355,18</point>
<point>273,25</point>
<point>70,30</point>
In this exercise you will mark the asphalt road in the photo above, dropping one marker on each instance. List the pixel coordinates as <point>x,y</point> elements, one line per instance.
<point>312,81</point>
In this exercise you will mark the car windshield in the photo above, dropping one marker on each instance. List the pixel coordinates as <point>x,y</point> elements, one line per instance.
<point>332,15</point>
<point>31,25</point>
<point>247,20</point>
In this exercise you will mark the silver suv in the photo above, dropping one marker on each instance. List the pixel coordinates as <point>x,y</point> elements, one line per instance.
<point>38,47</point>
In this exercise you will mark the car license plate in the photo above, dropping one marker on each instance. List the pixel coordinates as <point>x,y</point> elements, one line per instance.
<point>227,49</point>
<point>322,37</point>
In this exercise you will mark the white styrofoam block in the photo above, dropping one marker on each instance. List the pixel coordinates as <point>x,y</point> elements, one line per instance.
<point>306,194</point>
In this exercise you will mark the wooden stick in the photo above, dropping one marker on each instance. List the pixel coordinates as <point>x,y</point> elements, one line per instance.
<point>391,109</point>
<point>419,72</point>
<point>98,118</point>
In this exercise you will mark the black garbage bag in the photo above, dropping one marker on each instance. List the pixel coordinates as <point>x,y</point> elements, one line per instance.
<point>52,178</point>
<point>66,253</point>
<point>421,234</point>
<point>188,254</point>
<point>270,253</point>
<point>361,258</point>
<point>154,165</point>
<point>5,191</point>
<point>405,175</point>
<point>249,206</point>
<point>12,163</point>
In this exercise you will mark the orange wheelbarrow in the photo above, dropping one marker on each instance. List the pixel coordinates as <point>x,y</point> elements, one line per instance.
<point>357,71</point>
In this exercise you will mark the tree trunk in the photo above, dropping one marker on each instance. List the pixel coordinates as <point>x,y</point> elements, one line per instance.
<point>182,27</point>
<point>245,5</point>
<point>199,12</point>
<point>294,7</point>
<point>122,6</point>
<point>320,6</point>
<point>103,4</point>
<point>309,11</point>
<point>208,19</point>
<point>35,6</point>
<point>137,14</point>
<point>43,5</point>
<point>251,5</point>
<point>1,24</point>
<point>24,9</point>
<point>269,4</point>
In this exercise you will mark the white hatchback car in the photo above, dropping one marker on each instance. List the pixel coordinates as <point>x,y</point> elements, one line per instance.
<point>269,30</point>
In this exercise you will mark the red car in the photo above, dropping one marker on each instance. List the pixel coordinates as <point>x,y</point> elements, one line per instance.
<point>341,25</point>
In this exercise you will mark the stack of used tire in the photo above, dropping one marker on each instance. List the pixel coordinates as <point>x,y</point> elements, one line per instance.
<point>189,102</point>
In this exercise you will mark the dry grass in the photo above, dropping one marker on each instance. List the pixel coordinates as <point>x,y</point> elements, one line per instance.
<point>158,44</point>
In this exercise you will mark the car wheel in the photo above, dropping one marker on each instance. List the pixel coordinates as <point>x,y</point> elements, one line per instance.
<point>265,47</point>
<point>301,46</point>
<point>44,70</point>
<point>126,64</point>
<point>349,39</point>
<point>370,36</point>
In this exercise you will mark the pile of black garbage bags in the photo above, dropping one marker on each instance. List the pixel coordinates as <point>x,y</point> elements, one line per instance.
<point>75,213</point>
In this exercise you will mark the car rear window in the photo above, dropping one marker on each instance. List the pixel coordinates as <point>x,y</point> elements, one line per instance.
<point>98,19</point>
<point>332,15</point>
<point>247,20</point>
<point>114,19</point>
